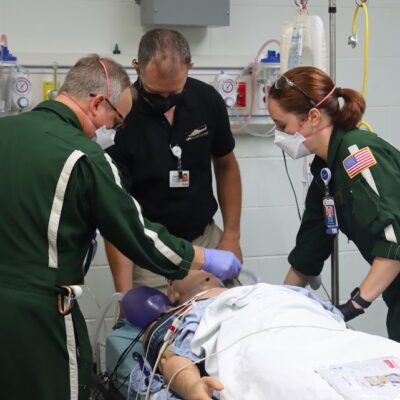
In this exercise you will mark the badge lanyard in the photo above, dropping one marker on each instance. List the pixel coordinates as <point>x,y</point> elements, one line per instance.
<point>328,204</point>
<point>178,178</point>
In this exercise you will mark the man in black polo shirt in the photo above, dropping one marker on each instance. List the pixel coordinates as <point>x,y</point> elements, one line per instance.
<point>177,128</point>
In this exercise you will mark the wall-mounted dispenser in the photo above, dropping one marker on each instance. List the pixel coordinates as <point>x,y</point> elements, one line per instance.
<point>185,12</point>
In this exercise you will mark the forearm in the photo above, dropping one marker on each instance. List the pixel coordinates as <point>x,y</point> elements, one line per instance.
<point>296,278</point>
<point>229,192</point>
<point>121,268</point>
<point>185,379</point>
<point>381,274</point>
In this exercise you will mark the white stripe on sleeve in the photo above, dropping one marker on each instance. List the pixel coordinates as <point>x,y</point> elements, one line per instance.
<point>56,208</point>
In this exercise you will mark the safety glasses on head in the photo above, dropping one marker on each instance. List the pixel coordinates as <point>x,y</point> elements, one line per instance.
<point>283,81</point>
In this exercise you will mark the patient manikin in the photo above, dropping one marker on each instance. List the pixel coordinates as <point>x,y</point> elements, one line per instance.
<point>180,364</point>
<point>250,340</point>
<point>192,383</point>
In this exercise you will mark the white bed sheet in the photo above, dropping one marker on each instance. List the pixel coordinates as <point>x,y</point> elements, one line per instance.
<point>289,336</point>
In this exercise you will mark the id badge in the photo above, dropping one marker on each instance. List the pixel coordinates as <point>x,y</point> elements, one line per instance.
<point>179,179</point>
<point>330,216</point>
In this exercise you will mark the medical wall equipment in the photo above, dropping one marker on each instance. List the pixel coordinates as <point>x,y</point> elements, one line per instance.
<point>249,114</point>
<point>51,88</point>
<point>227,88</point>
<point>303,41</point>
<point>185,12</point>
<point>15,86</point>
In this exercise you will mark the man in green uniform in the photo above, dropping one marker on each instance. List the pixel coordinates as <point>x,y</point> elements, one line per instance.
<point>56,188</point>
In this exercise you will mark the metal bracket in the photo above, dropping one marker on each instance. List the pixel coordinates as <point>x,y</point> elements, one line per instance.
<point>301,3</point>
<point>353,40</point>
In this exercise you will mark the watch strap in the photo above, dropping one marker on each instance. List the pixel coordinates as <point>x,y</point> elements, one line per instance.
<point>356,297</point>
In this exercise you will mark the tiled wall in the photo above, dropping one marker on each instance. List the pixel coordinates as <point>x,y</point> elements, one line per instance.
<point>55,30</point>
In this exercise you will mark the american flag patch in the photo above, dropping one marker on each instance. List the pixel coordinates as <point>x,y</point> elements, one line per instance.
<point>358,162</point>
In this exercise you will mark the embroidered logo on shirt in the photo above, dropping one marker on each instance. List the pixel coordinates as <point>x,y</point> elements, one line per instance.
<point>197,133</point>
<point>358,162</point>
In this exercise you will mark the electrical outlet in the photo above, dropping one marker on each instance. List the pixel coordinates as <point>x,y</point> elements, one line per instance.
<point>48,86</point>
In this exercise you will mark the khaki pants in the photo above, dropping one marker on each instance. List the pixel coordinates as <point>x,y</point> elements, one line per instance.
<point>142,277</point>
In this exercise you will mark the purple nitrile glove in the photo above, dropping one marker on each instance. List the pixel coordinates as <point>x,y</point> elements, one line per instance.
<point>221,263</point>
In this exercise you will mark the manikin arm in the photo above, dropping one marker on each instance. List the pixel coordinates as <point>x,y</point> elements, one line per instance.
<point>187,383</point>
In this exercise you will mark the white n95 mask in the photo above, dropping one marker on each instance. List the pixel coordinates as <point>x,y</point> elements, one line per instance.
<point>293,145</point>
<point>105,137</point>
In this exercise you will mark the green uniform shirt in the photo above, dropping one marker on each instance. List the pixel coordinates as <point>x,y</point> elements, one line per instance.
<point>362,214</point>
<point>56,188</point>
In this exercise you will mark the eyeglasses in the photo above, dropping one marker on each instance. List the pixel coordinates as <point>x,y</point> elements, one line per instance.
<point>120,124</point>
<point>279,84</point>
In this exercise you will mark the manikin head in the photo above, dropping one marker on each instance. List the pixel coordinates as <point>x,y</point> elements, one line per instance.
<point>181,290</point>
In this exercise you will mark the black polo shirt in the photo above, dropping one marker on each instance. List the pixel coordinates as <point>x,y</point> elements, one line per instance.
<point>143,154</point>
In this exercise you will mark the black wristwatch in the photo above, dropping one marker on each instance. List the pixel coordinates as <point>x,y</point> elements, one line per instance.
<point>356,297</point>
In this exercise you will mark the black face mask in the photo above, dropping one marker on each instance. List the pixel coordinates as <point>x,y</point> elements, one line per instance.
<point>159,103</point>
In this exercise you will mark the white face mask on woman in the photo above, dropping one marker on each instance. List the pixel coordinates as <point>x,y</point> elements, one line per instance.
<point>104,137</point>
<point>293,145</point>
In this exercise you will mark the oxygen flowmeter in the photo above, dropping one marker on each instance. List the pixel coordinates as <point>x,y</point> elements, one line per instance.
<point>20,91</point>
<point>15,86</point>
<point>227,88</point>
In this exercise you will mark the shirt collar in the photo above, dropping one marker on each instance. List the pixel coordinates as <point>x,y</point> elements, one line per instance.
<point>61,110</point>
<point>334,144</point>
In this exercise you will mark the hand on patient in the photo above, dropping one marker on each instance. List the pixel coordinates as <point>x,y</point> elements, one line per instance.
<point>221,263</point>
<point>203,388</point>
<point>349,311</point>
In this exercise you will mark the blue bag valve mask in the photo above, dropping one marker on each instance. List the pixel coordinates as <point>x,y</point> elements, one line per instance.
<point>143,305</point>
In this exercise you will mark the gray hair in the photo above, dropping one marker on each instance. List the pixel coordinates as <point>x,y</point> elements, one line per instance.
<point>88,77</point>
<point>164,44</point>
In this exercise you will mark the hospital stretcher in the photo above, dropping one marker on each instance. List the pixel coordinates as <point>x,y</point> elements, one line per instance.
<point>276,357</point>
<point>112,355</point>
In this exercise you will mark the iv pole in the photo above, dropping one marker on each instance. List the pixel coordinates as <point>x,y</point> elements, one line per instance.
<point>332,71</point>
